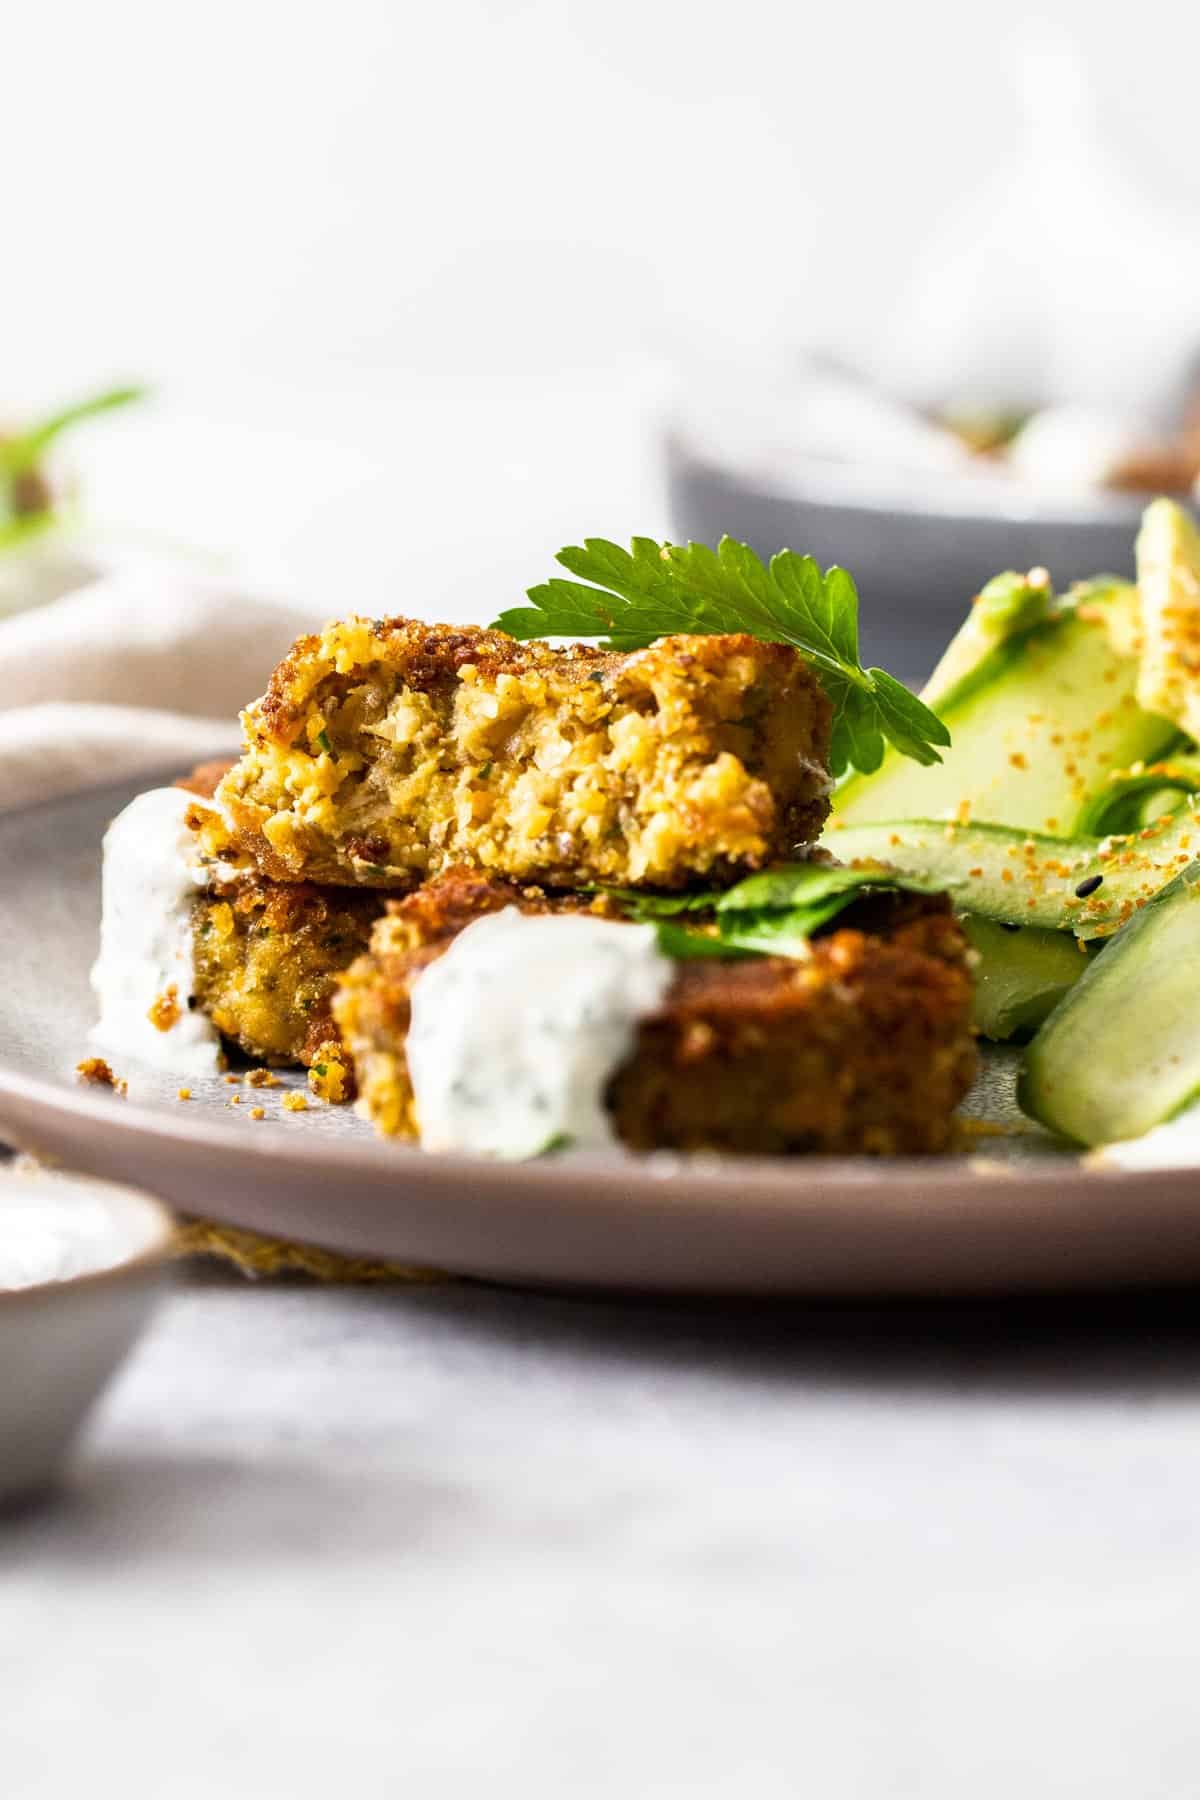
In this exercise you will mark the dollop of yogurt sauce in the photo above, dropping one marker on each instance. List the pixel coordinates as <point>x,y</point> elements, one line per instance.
<point>518,1027</point>
<point>151,875</point>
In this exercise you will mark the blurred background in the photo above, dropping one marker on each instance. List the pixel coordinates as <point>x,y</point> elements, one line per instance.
<point>424,292</point>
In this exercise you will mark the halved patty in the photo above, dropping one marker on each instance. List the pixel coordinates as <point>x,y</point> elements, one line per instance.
<point>866,1045</point>
<point>267,954</point>
<point>387,751</point>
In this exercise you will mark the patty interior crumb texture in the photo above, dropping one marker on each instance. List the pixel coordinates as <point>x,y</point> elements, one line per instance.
<point>386,751</point>
<point>266,957</point>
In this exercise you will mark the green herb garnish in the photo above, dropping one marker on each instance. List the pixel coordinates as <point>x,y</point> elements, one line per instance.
<point>324,744</point>
<point>682,945</point>
<point>28,506</point>
<point>631,597</point>
<point>559,1140</point>
<point>772,914</point>
<point>25,448</point>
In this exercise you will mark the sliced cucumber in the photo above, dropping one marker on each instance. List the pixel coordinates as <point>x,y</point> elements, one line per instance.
<point>1134,798</point>
<point>1021,974</point>
<point>1122,1052</point>
<point>1027,877</point>
<point>1168,570</point>
<point>1037,720</point>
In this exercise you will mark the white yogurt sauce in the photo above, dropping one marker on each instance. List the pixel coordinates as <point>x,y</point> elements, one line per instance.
<point>151,876</point>
<point>53,1228</point>
<point>1173,1145</point>
<point>517,1029</point>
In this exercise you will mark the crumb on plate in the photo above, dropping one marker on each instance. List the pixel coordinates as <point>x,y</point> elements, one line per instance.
<point>95,1069</point>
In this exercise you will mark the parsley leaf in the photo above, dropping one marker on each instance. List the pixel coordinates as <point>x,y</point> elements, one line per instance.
<point>646,908</point>
<point>682,945</point>
<point>771,914</point>
<point>631,597</point>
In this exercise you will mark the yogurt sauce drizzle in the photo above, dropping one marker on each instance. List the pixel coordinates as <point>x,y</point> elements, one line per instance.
<point>517,1028</point>
<point>151,876</point>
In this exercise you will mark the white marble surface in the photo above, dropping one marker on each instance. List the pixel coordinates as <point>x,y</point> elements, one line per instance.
<point>449,1540</point>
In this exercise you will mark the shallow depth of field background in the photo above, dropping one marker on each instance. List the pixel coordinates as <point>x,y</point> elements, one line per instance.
<point>411,280</point>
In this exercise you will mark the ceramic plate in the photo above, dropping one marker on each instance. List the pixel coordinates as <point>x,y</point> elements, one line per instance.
<point>1017,1214</point>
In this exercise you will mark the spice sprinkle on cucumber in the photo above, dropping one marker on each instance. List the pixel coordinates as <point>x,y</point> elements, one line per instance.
<point>1064,821</point>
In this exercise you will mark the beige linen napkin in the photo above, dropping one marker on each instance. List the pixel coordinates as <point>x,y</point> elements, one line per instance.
<point>143,668</point>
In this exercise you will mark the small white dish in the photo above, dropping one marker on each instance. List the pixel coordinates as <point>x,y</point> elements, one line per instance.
<point>82,1263</point>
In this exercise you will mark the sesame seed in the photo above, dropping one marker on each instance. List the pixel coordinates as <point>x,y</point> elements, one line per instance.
<point>1088,887</point>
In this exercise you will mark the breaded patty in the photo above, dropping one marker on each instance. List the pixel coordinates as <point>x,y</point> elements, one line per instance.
<point>387,751</point>
<point>206,777</point>
<point>865,1045</point>
<point>266,955</point>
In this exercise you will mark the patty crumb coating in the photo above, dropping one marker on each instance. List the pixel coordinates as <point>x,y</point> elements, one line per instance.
<point>864,1046</point>
<point>166,1012</point>
<point>331,1073</point>
<point>266,956</point>
<point>387,751</point>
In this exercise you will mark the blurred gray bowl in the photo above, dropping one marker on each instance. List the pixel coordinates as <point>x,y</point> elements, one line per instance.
<point>63,1338</point>
<point>917,557</point>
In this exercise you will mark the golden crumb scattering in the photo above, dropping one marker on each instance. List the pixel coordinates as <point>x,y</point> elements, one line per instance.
<point>260,1078</point>
<point>330,1077</point>
<point>258,1112</point>
<point>166,1011</point>
<point>95,1069</point>
<point>969,1131</point>
<point>294,1103</point>
<point>184,1094</point>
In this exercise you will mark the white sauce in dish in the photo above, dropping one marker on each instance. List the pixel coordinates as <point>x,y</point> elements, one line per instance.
<point>518,1027</point>
<point>151,876</point>
<point>53,1228</point>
